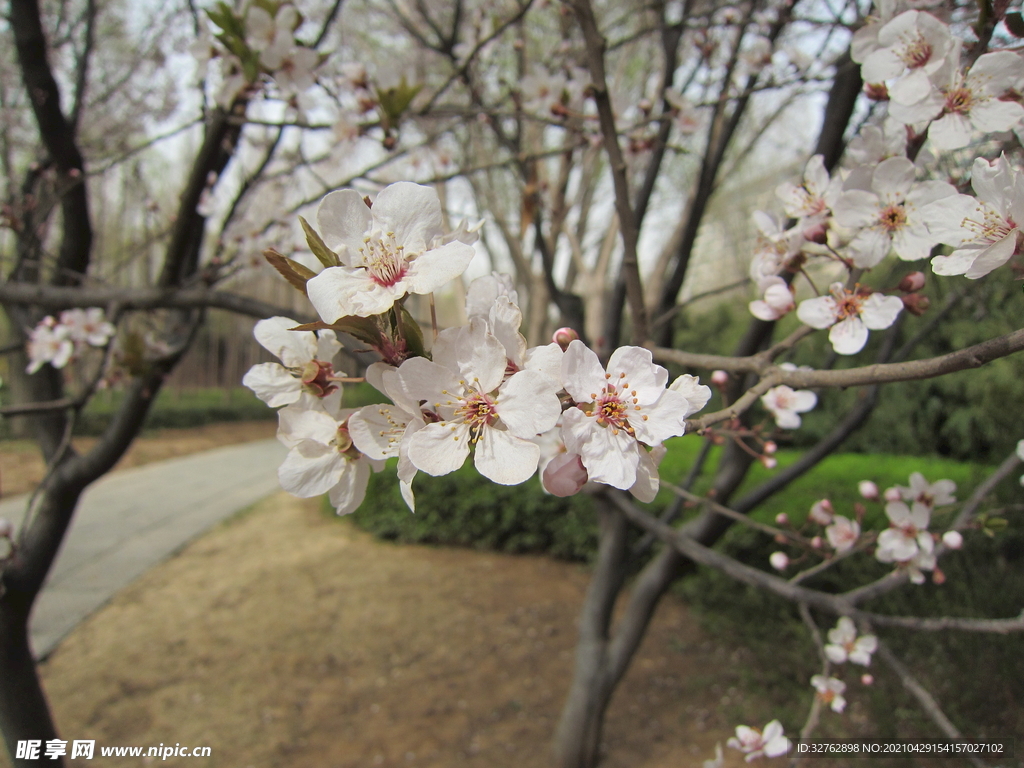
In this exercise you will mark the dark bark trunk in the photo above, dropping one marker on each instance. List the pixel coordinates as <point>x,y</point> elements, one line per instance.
<point>578,738</point>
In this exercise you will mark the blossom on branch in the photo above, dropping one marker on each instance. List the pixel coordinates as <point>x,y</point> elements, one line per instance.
<point>306,363</point>
<point>984,231</point>
<point>844,644</point>
<point>850,314</point>
<point>477,407</point>
<point>620,408</point>
<point>889,216</point>
<point>786,404</point>
<point>830,691</point>
<point>386,251</point>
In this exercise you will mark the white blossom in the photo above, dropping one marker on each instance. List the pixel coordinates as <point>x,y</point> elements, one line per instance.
<point>911,48</point>
<point>889,216</point>
<point>771,742</point>
<point>384,251</point>
<point>907,534</point>
<point>305,363</point>
<point>844,644</point>
<point>830,691</point>
<point>620,407</point>
<point>984,231</point>
<point>929,495</point>
<point>843,533</point>
<point>49,343</point>
<point>964,104</point>
<point>850,315</point>
<point>322,458</point>
<point>786,404</point>
<point>476,406</point>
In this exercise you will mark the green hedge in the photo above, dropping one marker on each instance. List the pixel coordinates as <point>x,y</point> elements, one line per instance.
<point>464,509</point>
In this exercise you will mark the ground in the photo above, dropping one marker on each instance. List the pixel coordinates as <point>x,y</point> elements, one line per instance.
<point>286,637</point>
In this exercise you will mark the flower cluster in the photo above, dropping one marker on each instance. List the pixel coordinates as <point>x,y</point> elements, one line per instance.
<point>58,341</point>
<point>879,203</point>
<point>479,392</point>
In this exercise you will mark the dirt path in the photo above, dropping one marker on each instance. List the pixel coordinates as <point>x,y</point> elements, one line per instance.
<point>21,468</point>
<point>289,638</point>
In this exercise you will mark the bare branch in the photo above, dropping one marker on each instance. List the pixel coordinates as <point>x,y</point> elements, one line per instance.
<point>54,297</point>
<point>623,207</point>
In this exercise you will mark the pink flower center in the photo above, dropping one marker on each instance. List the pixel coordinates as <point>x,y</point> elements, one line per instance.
<point>959,100</point>
<point>477,410</point>
<point>847,305</point>
<point>384,259</point>
<point>612,406</point>
<point>916,52</point>
<point>991,228</point>
<point>892,217</point>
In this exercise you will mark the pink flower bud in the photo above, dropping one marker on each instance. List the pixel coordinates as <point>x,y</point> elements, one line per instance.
<point>782,519</point>
<point>867,679</point>
<point>892,494</point>
<point>770,447</point>
<point>564,336</point>
<point>719,378</point>
<point>817,542</point>
<point>564,475</point>
<point>938,576</point>
<point>868,490</point>
<point>912,283</point>
<point>916,304</point>
<point>953,539</point>
<point>779,561</point>
<point>6,528</point>
<point>817,234</point>
<point>769,462</point>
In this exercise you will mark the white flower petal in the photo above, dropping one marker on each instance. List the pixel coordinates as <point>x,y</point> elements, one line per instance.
<point>504,458</point>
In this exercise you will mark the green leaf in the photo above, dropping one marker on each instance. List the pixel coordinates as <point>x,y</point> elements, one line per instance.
<point>413,334</point>
<point>394,101</point>
<point>326,256</point>
<point>291,270</point>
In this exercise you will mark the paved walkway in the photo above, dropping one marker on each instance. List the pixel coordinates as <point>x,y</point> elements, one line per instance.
<point>133,519</point>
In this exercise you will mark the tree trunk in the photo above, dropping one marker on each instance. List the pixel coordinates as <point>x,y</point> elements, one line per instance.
<point>578,737</point>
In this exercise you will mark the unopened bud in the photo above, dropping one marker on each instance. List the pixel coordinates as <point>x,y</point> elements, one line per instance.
<point>876,91</point>
<point>953,539</point>
<point>769,462</point>
<point>564,336</point>
<point>916,304</point>
<point>719,378</point>
<point>782,519</point>
<point>564,475</point>
<point>817,234</point>
<point>770,447</point>
<point>912,283</point>
<point>817,542</point>
<point>867,679</point>
<point>779,561</point>
<point>892,494</point>
<point>868,490</point>
<point>938,577</point>
<point>6,528</point>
